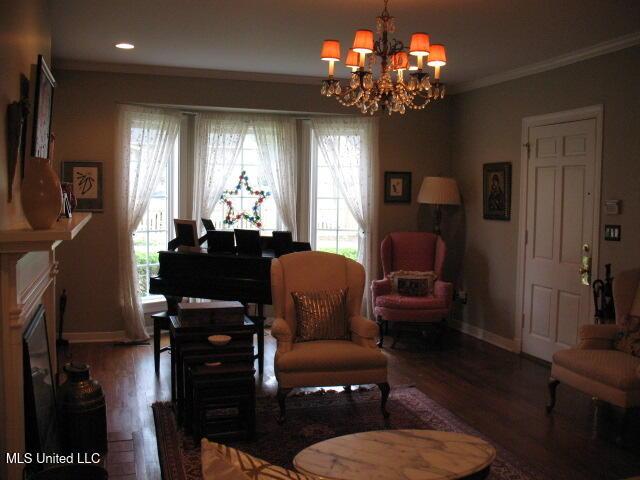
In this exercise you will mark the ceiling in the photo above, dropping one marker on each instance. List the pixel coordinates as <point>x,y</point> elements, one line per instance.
<point>483,37</point>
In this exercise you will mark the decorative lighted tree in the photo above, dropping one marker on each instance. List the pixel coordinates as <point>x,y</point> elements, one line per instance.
<point>254,216</point>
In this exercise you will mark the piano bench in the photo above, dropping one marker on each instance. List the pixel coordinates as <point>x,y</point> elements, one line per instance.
<point>161,322</point>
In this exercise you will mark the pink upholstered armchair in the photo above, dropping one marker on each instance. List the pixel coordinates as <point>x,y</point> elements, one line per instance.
<point>415,251</point>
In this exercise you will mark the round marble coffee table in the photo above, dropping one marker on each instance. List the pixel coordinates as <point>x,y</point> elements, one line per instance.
<point>398,455</point>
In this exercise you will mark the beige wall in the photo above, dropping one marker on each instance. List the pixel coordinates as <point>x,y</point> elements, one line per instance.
<point>487,128</point>
<point>24,33</point>
<point>84,123</point>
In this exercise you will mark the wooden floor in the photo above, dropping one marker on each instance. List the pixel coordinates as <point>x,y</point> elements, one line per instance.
<point>498,393</point>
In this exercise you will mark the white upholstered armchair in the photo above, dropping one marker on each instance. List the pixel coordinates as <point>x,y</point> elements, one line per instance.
<point>323,362</point>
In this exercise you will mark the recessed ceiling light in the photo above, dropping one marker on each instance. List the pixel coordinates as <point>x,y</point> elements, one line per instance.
<point>125,46</point>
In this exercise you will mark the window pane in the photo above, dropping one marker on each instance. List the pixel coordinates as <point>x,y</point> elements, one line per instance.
<point>348,244</point>
<point>157,242</point>
<point>245,201</point>
<point>326,184</point>
<point>327,214</point>
<point>326,241</point>
<point>157,213</point>
<point>336,228</point>
<point>152,234</point>
<point>142,281</point>
<point>347,222</point>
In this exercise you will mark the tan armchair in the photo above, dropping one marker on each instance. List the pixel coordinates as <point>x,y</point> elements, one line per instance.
<point>594,366</point>
<point>324,362</point>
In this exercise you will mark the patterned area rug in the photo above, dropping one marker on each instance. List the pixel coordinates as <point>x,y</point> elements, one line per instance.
<point>319,416</point>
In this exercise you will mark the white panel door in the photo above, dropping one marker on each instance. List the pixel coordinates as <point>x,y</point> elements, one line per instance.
<point>560,193</point>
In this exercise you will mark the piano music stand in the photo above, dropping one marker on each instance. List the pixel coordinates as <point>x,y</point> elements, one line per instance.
<point>220,241</point>
<point>282,243</point>
<point>248,242</point>
<point>207,224</point>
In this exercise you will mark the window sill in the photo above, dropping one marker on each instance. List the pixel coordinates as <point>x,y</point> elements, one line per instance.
<point>153,304</point>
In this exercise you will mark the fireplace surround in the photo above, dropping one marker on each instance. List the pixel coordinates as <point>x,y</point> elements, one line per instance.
<point>28,269</point>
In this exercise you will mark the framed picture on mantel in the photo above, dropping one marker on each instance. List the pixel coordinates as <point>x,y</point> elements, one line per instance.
<point>86,181</point>
<point>42,110</point>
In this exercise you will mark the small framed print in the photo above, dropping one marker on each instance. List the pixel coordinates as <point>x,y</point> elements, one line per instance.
<point>496,188</point>
<point>86,181</point>
<point>397,187</point>
<point>43,109</point>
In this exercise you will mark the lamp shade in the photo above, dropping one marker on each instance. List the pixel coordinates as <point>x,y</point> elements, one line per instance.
<point>352,59</point>
<point>400,61</point>
<point>419,44</point>
<point>330,50</point>
<point>438,56</point>
<point>363,43</point>
<point>439,191</point>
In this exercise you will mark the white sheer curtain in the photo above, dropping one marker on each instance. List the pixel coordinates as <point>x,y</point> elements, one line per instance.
<point>146,137</point>
<point>218,140</point>
<point>350,148</point>
<point>276,139</point>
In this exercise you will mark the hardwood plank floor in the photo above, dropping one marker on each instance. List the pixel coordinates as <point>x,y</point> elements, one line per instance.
<point>498,393</point>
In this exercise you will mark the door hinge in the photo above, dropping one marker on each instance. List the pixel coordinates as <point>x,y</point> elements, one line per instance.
<point>528,147</point>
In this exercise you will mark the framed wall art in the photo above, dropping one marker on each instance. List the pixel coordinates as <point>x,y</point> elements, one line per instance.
<point>86,181</point>
<point>496,191</point>
<point>397,187</point>
<point>42,110</point>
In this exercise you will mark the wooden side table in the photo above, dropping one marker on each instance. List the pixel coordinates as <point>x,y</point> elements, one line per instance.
<point>183,334</point>
<point>223,401</point>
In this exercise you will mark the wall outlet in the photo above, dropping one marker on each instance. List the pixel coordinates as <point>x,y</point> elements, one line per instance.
<point>462,295</point>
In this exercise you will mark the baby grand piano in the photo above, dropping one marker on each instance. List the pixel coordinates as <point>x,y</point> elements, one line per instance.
<point>217,276</point>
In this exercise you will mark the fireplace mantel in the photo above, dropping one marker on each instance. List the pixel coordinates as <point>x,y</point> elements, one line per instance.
<point>28,270</point>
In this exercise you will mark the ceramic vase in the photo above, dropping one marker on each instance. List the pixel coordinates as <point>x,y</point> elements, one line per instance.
<point>41,194</point>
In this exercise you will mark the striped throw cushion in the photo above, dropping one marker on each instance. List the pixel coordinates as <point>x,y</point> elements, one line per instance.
<point>247,466</point>
<point>321,315</point>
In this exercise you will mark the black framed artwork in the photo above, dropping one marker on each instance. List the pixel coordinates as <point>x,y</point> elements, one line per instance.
<point>42,110</point>
<point>86,181</point>
<point>397,187</point>
<point>496,191</point>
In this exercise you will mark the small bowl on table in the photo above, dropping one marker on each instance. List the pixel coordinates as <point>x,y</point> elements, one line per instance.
<point>219,340</point>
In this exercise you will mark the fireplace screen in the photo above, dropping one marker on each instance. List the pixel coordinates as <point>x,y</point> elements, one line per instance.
<point>39,388</point>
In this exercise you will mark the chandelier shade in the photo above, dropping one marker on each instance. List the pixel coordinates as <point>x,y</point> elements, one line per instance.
<point>370,92</point>
<point>438,56</point>
<point>330,50</point>
<point>419,44</point>
<point>352,59</point>
<point>363,42</point>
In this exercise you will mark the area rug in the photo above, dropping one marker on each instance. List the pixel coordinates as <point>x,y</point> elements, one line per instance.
<point>318,416</point>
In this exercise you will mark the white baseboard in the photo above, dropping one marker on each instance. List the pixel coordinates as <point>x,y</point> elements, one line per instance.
<point>512,345</point>
<point>100,337</point>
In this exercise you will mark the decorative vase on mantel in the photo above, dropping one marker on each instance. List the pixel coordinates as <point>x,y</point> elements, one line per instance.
<point>41,193</point>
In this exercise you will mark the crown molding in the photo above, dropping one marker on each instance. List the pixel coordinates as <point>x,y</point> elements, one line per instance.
<point>130,68</point>
<point>596,50</point>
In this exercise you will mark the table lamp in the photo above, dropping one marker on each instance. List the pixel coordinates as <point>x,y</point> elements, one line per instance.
<point>439,191</point>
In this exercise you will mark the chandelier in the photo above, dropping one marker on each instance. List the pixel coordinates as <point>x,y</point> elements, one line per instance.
<point>370,94</point>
